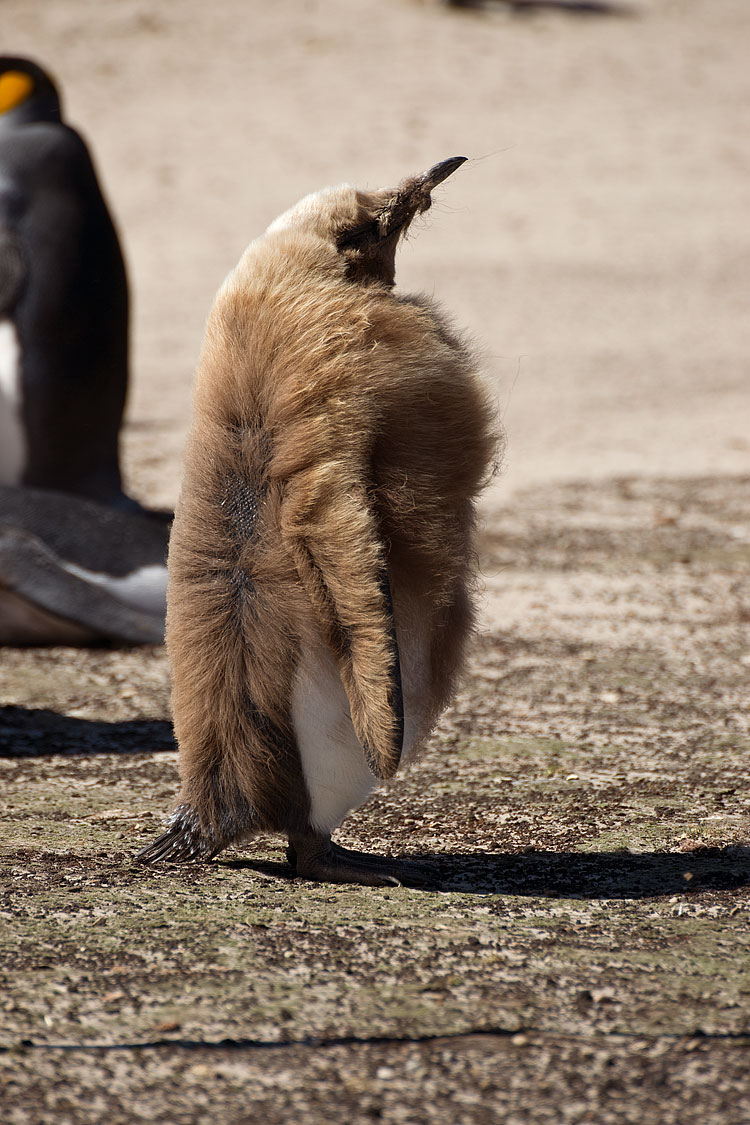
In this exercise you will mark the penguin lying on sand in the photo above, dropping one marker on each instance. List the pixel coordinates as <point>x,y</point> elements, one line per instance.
<point>63,301</point>
<point>320,562</point>
<point>76,572</point>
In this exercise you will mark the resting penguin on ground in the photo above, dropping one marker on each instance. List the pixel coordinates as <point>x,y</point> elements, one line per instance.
<point>63,301</point>
<point>320,561</point>
<point>76,572</point>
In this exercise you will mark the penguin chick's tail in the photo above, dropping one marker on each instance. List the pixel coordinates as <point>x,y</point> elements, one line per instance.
<point>183,840</point>
<point>341,564</point>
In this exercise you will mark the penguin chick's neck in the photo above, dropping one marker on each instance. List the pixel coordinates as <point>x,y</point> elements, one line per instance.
<point>369,247</point>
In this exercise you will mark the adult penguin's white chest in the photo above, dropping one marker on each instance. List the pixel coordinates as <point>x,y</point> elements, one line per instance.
<point>12,436</point>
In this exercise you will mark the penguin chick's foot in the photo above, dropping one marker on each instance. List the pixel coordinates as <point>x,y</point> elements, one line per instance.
<point>315,856</point>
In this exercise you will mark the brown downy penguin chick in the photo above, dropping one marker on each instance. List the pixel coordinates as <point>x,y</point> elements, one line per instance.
<point>320,564</point>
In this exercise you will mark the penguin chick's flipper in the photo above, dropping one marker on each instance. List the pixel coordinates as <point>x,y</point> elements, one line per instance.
<point>315,856</point>
<point>341,565</point>
<point>31,571</point>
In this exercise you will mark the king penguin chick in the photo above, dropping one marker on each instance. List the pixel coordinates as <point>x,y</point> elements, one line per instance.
<point>63,301</point>
<point>320,570</point>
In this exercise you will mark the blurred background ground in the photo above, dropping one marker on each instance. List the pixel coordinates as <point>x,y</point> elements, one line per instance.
<point>587,799</point>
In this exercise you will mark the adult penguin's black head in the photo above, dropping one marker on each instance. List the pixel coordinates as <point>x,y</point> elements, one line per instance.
<point>27,93</point>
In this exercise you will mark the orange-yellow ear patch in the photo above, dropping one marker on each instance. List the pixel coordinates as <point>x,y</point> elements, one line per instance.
<point>15,87</point>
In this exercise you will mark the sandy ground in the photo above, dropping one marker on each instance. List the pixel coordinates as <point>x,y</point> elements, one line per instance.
<point>586,800</point>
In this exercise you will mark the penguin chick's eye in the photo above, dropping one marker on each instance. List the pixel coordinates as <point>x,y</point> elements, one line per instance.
<point>15,87</point>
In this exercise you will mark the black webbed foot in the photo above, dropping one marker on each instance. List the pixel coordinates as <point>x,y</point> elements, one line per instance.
<point>316,857</point>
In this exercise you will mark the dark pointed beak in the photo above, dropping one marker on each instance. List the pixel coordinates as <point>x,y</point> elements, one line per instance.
<point>413,197</point>
<point>441,171</point>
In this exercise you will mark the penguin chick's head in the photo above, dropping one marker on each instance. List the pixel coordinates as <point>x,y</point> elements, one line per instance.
<point>365,227</point>
<point>27,93</point>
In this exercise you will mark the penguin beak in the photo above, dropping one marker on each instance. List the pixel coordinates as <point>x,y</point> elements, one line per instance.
<point>414,196</point>
<point>374,241</point>
<point>439,172</point>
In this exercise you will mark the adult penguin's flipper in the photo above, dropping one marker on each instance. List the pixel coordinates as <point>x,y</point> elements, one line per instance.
<point>341,565</point>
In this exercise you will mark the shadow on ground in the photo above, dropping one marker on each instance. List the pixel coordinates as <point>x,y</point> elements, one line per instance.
<point>29,732</point>
<point>600,875</point>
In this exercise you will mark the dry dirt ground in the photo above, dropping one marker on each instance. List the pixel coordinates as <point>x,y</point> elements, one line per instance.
<point>586,801</point>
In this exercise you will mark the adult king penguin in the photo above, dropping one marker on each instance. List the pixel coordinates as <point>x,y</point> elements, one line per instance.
<point>76,572</point>
<point>63,301</point>
<point>321,558</point>
<point>72,569</point>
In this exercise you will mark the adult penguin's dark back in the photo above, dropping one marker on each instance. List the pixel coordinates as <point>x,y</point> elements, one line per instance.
<point>63,301</point>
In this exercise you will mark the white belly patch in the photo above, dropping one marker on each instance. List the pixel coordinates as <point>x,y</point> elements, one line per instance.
<point>336,773</point>
<point>12,438</point>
